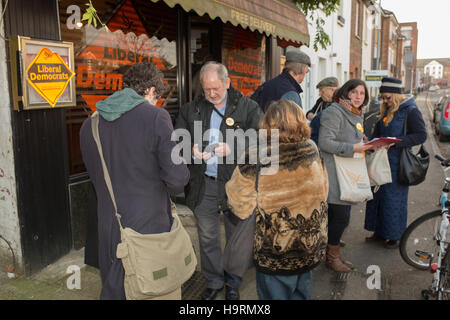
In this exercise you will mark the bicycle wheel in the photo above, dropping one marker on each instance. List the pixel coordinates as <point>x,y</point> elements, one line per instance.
<point>420,236</point>
<point>444,281</point>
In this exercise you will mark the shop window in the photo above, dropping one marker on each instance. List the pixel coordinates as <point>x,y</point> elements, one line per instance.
<point>244,55</point>
<point>201,49</point>
<point>139,31</point>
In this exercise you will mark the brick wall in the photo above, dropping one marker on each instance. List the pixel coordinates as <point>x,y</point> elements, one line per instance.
<point>386,29</point>
<point>355,40</point>
<point>399,59</point>
<point>413,45</point>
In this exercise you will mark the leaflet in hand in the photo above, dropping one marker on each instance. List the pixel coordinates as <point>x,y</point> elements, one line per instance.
<point>381,142</point>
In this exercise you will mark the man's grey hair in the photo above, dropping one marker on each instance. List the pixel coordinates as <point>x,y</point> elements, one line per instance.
<point>221,70</point>
<point>295,67</point>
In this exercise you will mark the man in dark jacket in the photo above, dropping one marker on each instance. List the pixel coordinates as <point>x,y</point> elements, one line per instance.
<point>219,109</point>
<point>287,84</point>
<point>326,87</point>
<point>136,142</point>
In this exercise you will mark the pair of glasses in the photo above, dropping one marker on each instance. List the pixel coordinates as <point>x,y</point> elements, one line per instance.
<point>387,98</point>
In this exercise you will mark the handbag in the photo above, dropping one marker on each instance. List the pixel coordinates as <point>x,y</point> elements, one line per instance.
<point>413,167</point>
<point>154,264</point>
<point>353,179</point>
<point>378,167</point>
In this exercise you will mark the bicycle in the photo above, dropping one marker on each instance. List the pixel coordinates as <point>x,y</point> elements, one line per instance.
<point>428,237</point>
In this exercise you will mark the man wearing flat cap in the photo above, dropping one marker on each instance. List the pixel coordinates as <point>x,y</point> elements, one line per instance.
<point>326,87</point>
<point>287,84</point>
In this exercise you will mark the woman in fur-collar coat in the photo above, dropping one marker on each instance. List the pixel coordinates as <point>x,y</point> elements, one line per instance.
<point>287,197</point>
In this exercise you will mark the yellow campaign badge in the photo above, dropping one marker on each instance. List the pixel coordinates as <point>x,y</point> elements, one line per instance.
<point>49,75</point>
<point>229,121</point>
<point>360,127</point>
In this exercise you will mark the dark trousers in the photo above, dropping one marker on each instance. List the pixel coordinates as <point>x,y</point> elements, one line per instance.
<point>227,268</point>
<point>338,220</point>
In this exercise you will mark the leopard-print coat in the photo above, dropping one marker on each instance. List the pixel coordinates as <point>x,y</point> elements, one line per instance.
<point>290,208</point>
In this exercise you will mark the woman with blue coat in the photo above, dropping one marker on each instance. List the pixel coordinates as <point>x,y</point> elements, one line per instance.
<point>386,214</point>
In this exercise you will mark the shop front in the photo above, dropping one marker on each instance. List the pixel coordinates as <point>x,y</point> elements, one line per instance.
<point>55,199</point>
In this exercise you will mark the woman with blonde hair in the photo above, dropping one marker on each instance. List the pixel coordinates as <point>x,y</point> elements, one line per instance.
<point>386,214</point>
<point>288,203</point>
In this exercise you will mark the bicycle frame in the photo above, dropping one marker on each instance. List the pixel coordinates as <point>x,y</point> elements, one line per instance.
<point>441,236</point>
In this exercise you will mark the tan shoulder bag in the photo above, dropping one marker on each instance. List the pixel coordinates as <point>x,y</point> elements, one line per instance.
<point>155,264</point>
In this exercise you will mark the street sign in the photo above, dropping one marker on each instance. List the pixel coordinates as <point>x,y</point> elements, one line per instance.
<point>49,75</point>
<point>373,77</point>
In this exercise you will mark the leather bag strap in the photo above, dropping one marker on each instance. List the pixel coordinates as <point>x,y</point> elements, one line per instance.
<point>405,124</point>
<point>406,121</point>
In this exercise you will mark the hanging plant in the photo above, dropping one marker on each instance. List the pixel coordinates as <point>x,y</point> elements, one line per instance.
<point>310,9</point>
<point>92,17</point>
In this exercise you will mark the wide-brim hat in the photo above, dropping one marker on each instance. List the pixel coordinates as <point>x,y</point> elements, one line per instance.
<point>391,85</point>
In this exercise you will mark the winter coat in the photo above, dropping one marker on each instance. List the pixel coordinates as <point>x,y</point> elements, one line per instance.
<point>319,106</point>
<point>245,113</point>
<point>291,215</point>
<point>281,87</point>
<point>387,213</point>
<point>315,122</point>
<point>339,131</point>
<point>137,150</point>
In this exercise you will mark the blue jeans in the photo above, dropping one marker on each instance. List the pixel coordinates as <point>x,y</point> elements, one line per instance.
<point>276,287</point>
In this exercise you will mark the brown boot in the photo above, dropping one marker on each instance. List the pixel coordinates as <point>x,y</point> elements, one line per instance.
<point>334,259</point>
<point>347,263</point>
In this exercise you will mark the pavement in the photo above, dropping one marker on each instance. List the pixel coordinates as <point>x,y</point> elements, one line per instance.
<point>380,273</point>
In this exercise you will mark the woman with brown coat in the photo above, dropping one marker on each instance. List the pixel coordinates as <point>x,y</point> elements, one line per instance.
<point>286,193</point>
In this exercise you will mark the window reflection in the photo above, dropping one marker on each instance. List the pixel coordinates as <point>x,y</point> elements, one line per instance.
<point>139,31</point>
<point>244,55</point>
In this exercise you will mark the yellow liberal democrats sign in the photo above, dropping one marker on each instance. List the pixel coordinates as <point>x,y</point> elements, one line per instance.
<point>49,75</point>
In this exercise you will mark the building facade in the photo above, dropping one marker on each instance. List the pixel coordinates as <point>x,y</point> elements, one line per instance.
<point>332,61</point>
<point>46,198</point>
<point>356,34</point>
<point>410,32</point>
<point>391,44</point>
<point>435,71</point>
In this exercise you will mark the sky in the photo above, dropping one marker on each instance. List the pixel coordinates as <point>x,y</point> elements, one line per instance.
<point>433,24</point>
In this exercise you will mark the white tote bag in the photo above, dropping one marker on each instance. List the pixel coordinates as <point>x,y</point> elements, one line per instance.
<point>353,179</point>
<point>378,167</point>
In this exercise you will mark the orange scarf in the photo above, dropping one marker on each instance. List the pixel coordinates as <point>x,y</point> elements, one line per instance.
<point>346,104</point>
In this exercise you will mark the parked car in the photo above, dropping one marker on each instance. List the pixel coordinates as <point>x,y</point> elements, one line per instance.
<point>433,88</point>
<point>441,118</point>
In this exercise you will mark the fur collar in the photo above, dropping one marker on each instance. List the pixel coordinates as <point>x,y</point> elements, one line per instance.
<point>297,179</point>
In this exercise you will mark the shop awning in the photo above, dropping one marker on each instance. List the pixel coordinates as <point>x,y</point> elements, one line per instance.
<point>279,18</point>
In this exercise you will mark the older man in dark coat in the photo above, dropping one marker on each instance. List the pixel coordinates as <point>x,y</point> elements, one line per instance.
<point>219,109</point>
<point>286,86</point>
<point>137,146</point>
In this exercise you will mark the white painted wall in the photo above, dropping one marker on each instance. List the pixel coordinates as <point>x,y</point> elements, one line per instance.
<point>9,220</point>
<point>334,60</point>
